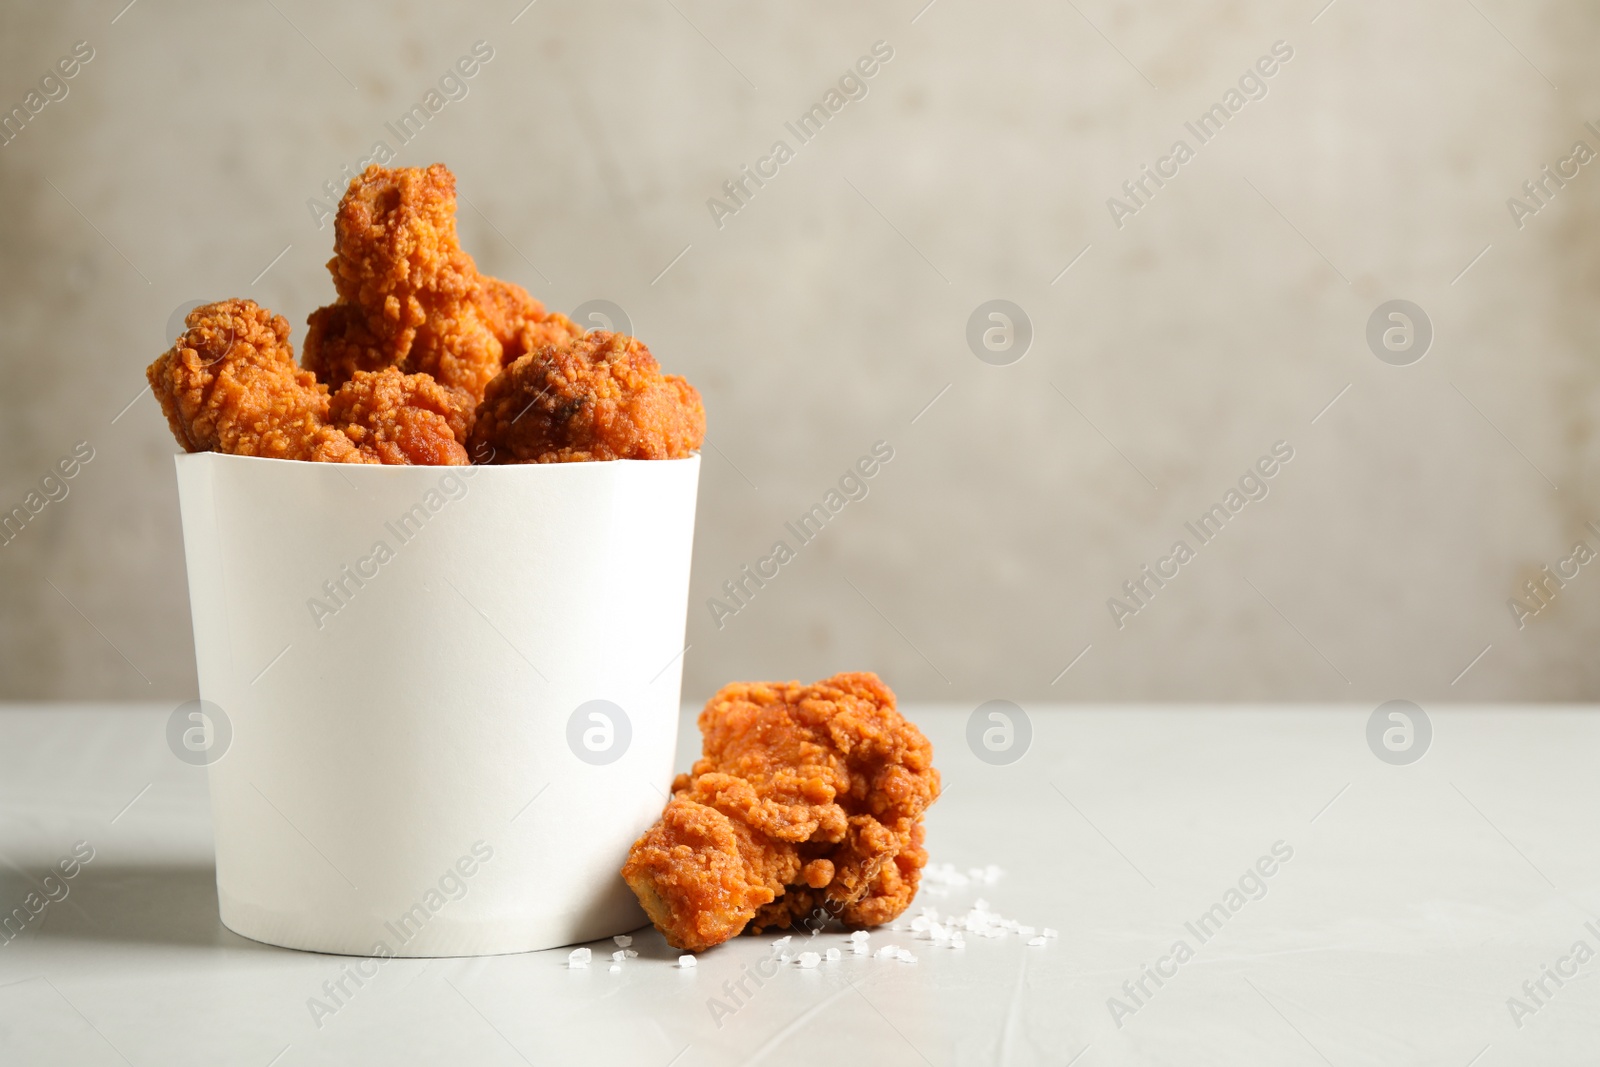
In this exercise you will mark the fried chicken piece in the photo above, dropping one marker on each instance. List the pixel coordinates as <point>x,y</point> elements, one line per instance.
<point>600,396</point>
<point>338,344</point>
<point>506,308</point>
<point>230,384</point>
<point>701,875</point>
<point>519,322</point>
<point>894,887</point>
<point>803,803</point>
<point>888,896</point>
<point>538,331</point>
<point>403,418</point>
<point>409,295</point>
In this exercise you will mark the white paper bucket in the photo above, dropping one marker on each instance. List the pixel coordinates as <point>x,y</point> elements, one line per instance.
<point>409,661</point>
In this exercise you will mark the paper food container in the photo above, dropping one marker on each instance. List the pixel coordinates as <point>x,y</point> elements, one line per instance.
<point>440,702</point>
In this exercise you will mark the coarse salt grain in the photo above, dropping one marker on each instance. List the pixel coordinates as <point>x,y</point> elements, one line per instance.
<point>859,948</point>
<point>905,956</point>
<point>782,941</point>
<point>1048,932</point>
<point>859,935</point>
<point>618,956</point>
<point>833,955</point>
<point>887,952</point>
<point>630,953</point>
<point>623,940</point>
<point>579,957</point>
<point>1036,940</point>
<point>615,967</point>
<point>808,959</point>
<point>687,961</point>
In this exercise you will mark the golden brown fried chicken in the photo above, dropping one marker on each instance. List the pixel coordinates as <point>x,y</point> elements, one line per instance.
<point>519,322</point>
<point>538,331</point>
<point>403,418</point>
<point>409,296</point>
<point>600,396</point>
<point>230,384</point>
<point>700,875</point>
<point>338,344</point>
<point>888,896</point>
<point>506,307</point>
<point>409,350</point>
<point>807,802</point>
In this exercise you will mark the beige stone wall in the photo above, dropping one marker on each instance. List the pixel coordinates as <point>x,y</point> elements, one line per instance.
<point>824,315</point>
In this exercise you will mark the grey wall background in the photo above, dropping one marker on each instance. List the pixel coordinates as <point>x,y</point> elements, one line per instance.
<point>831,309</point>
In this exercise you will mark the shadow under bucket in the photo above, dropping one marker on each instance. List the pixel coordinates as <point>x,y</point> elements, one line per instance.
<point>445,698</point>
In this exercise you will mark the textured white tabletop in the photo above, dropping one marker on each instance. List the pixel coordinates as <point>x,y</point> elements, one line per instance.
<point>1409,916</point>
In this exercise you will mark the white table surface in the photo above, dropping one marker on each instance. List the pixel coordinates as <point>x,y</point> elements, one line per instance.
<point>1418,900</point>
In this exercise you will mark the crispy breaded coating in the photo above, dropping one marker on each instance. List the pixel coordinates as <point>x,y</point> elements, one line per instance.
<point>700,875</point>
<point>536,332</point>
<point>600,396</point>
<point>230,384</point>
<point>403,418</point>
<point>506,307</point>
<point>338,344</point>
<point>888,896</point>
<point>519,322</point>
<point>807,802</point>
<point>413,297</point>
<point>406,355</point>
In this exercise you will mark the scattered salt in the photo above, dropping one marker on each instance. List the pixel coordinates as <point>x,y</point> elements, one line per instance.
<point>615,967</point>
<point>833,955</point>
<point>905,956</point>
<point>686,961</point>
<point>1035,941</point>
<point>623,940</point>
<point>808,959</point>
<point>859,948</point>
<point>782,941</point>
<point>942,877</point>
<point>579,957</point>
<point>618,956</point>
<point>859,935</point>
<point>630,953</point>
<point>1048,932</point>
<point>887,952</point>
